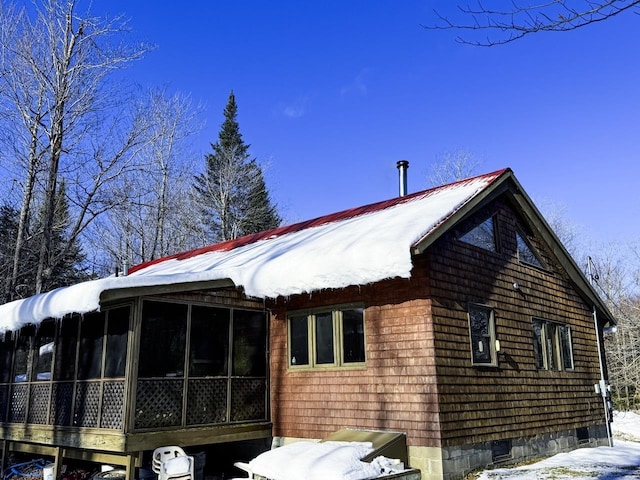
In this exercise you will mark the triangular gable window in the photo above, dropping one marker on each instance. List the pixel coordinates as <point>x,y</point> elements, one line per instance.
<point>526,253</point>
<point>483,236</point>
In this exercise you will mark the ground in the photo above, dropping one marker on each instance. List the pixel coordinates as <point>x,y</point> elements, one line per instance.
<point>622,461</point>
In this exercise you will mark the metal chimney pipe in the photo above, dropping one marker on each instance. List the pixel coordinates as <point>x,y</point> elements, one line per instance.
<point>403,166</point>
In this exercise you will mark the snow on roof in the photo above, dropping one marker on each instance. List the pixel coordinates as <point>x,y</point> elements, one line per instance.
<point>354,247</point>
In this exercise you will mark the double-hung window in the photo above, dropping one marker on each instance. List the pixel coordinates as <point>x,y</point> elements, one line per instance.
<point>552,345</point>
<point>327,338</point>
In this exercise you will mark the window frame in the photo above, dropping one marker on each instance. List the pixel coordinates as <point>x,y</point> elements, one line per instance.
<point>520,235</point>
<point>479,225</point>
<point>553,350</point>
<point>337,338</point>
<point>492,340</point>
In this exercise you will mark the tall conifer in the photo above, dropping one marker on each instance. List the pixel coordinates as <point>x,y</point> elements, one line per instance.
<point>232,194</point>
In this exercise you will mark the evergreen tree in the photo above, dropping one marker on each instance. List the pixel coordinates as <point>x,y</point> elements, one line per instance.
<point>24,284</point>
<point>8,229</point>
<point>231,192</point>
<point>65,256</point>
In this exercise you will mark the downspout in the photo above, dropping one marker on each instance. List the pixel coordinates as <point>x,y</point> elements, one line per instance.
<point>603,387</point>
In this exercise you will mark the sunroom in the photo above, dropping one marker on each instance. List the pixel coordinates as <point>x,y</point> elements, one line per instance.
<point>185,367</point>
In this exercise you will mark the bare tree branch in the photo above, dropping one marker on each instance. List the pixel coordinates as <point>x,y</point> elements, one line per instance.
<point>523,18</point>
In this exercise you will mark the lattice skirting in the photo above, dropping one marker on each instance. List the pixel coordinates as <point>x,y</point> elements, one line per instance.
<point>159,403</point>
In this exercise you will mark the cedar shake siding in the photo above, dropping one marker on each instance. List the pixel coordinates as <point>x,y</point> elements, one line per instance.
<point>419,377</point>
<point>514,399</point>
<point>395,391</point>
<point>418,314</point>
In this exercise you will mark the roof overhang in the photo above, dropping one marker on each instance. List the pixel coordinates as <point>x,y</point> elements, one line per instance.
<point>118,294</point>
<point>507,184</point>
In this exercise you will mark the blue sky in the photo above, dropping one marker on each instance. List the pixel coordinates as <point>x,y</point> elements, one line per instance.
<point>332,93</point>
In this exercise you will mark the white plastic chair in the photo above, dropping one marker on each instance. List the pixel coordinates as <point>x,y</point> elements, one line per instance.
<point>172,463</point>
<point>246,468</point>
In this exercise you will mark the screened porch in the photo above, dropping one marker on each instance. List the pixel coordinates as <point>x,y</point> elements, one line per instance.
<point>139,374</point>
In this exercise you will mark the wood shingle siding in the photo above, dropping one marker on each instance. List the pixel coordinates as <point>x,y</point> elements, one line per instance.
<point>515,398</point>
<point>397,389</point>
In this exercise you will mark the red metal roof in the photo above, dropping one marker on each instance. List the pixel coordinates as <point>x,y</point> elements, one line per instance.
<point>331,218</point>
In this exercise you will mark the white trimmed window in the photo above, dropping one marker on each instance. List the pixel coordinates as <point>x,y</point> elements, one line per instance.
<point>327,338</point>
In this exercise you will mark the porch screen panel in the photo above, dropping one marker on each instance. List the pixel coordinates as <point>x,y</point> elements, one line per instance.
<point>22,353</point>
<point>161,365</point>
<point>117,339</point>
<point>90,352</point>
<point>162,340</point>
<point>4,402</point>
<point>66,346</point>
<point>6,354</point>
<point>249,343</point>
<point>209,345</point>
<point>248,385</point>
<point>43,351</point>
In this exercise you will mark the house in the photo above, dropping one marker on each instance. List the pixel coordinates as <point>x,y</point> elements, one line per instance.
<point>453,315</point>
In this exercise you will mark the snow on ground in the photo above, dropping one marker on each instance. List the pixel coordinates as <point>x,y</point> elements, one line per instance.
<point>620,462</point>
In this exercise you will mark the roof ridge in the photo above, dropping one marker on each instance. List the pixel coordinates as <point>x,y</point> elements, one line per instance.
<point>314,222</point>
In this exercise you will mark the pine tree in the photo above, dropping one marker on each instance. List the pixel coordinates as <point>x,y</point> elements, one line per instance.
<point>231,192</point>
<point>8,229</point>
<point>65,256</point>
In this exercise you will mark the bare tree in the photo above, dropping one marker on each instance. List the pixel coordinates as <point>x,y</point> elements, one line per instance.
<point>569,233</point>
<point>525,17</point>
<point>157,218</point>
<point>452,166</point>
<point>614,276</point>
<point>54,82</point>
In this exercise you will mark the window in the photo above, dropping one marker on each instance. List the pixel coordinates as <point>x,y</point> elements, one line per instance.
<point>501,450</point>
<point>552,345</point>
<point>526,254</point>
<point>482,235</point>
<point>328,338</point>
<point>483,335</point>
